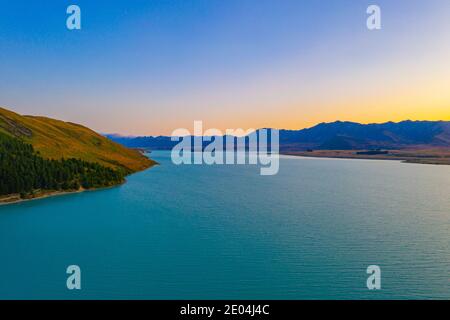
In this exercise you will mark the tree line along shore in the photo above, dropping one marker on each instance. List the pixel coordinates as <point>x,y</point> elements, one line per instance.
<point>25,174</point>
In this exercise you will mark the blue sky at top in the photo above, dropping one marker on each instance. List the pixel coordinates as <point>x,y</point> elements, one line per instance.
<point>148,67</point>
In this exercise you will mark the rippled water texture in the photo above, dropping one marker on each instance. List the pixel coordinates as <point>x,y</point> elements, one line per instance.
<point>187,232</point>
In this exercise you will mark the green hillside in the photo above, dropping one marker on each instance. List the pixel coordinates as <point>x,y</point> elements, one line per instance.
<point>55,139</point>
<point>24,172</point>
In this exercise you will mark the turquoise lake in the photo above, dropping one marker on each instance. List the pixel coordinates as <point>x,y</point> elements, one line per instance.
<point>226,232</point>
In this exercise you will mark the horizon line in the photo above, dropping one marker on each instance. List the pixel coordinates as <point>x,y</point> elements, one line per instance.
<point>279,129</point>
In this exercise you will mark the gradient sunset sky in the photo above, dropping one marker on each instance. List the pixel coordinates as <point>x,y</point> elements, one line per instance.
<point>146,67</point>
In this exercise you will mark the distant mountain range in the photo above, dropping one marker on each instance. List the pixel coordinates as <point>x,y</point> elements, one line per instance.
<point>337,135</point>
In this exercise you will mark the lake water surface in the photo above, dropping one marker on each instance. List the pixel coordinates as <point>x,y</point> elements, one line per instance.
<point>225,232</point>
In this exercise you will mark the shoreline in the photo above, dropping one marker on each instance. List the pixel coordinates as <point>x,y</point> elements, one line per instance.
<point>427,156</point>
<point>16,199</point>
<point>49,194</point>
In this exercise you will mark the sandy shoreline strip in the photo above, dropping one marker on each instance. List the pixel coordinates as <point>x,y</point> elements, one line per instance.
<point>5,200</point>
<point>15,198</point>
<point>427,156</point>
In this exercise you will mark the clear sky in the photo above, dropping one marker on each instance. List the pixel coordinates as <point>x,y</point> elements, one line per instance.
<point>147,67</point>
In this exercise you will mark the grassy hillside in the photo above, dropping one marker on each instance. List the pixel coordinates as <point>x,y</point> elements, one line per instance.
<point>26,173</point>
<point>55,139</point>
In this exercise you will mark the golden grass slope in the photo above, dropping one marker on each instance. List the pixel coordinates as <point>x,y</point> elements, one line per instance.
<point>56,139</point>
